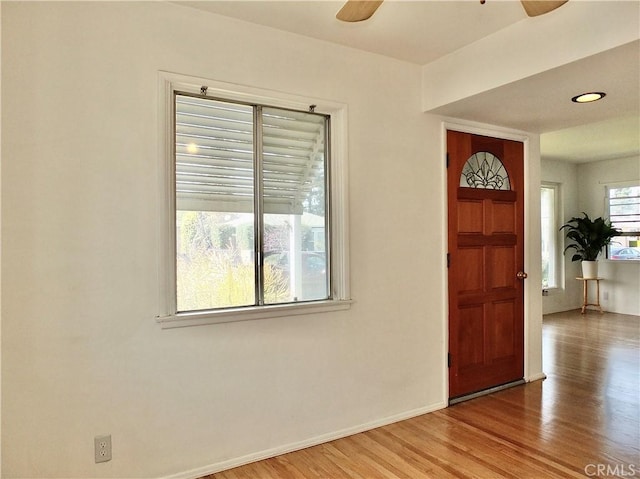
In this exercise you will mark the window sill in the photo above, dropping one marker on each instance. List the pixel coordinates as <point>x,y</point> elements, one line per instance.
<point>201,318</point>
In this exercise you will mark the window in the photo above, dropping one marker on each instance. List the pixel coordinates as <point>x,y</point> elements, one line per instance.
<point>549,229</point>
<point>623,210</point>
<point>484,170</point>
<point>256,224</point>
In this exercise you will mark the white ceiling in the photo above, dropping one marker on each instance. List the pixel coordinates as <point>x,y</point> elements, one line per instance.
<point>414,31</point>
<point>421,31</point>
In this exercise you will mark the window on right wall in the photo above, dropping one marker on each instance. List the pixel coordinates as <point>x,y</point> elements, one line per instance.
<point>550,242</point>
<point>623,209</point>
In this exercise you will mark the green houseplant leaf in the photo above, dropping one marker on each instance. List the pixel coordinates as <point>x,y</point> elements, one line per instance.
<point>588,236</point>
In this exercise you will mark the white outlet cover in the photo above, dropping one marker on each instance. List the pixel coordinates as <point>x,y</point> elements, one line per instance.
<point>102,447</point>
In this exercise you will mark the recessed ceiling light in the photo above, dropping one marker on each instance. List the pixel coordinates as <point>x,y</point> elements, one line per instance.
<point>588,97</point>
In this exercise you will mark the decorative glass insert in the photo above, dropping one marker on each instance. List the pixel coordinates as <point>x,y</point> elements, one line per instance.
<point>484,170</point>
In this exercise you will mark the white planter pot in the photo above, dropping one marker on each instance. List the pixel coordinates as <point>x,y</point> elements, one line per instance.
<point>589,269</point>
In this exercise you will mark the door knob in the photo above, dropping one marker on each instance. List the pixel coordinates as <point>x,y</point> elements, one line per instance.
<point>521,275</point>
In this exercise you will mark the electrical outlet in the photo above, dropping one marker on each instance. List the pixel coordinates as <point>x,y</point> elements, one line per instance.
<point>102,446</point>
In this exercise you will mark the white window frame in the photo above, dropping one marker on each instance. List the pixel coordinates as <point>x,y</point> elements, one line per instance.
<point>607,209</point>
<point>557,235</point>
<point>167,316</point>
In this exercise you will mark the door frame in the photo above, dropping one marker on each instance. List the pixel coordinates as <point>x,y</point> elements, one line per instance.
<point>532,253</point>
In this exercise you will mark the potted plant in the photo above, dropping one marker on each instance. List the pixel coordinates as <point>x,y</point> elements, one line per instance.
<point>588,238</point>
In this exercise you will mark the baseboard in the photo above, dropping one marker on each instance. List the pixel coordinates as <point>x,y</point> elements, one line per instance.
<point>535,377</point>
<point>296,446</point>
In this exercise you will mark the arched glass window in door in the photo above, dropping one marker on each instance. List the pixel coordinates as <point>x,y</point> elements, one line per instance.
<point>484,170</point>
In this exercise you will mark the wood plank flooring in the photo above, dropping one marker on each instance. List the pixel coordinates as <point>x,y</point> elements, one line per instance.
<point>582,421</point>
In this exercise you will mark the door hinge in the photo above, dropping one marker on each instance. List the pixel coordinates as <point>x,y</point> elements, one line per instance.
<point>447,160</point>
<point>448,360</point>
<point>448,260</point>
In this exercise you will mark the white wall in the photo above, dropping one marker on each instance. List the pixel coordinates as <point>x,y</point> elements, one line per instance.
<point>622,278</point>
<point>0,245</point>
<point>568,294</point>
<point>82,353</point>
<point>532,263</point>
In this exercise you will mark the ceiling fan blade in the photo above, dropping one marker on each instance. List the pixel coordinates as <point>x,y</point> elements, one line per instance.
<point>358,10</point>
<point>540,7</point>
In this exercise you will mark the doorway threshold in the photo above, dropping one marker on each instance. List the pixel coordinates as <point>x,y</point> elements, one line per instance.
<point>484,392</point>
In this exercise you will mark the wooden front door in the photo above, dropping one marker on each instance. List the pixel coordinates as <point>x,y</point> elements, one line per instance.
<point>485,183</point>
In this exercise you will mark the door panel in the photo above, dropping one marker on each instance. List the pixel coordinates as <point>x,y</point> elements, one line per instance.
<point>470,213</point>
<point>486,230</point>
<point>471,336</point>
<point>503,332</point>
<point>470,280</point>
<point>503,218</point>
<point>502,268</point>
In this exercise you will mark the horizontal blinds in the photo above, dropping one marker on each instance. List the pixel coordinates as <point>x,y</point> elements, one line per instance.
<point>624,208</point>
<point>215,156</point>
<point>293,158</point>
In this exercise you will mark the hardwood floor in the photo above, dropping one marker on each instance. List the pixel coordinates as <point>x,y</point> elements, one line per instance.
<point>582,421</point>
